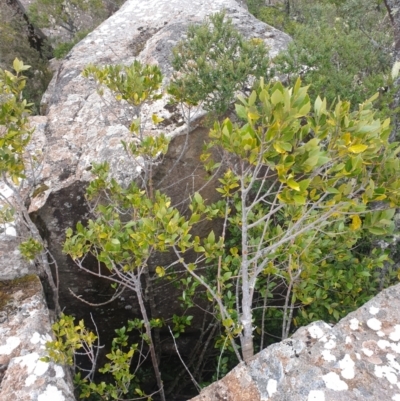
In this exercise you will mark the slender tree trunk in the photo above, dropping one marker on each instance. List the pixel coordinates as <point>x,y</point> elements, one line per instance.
<point>153,310</point>
<point>246,338</point>
<point>138,289</point>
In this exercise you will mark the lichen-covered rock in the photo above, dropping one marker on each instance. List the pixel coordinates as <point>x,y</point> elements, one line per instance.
<point>81,128</point>
<point>357,359</point>
<point>25,328</point>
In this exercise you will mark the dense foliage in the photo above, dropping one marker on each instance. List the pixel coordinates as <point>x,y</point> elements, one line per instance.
<point>213,63</point>
<point>343,49</point>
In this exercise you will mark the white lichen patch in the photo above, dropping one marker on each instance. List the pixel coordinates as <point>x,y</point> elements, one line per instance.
<point>387,372</point>
<point>33,364</point>
<point>373,310</point>
<point>384,344</point>
<point>380,333</point>
<point>331,344</point>
<point>396,397</point>
<point>316,395</point>
<point>35,338</point>
<point>272,387</point>
<point>30,380</point>
<point>354,324</point>
<point>10,230</point>
<point>333,381</point>
<point>59,371</point>
<point>41,368</point>
<point>367,352</point>
<point>393,363</point>
<point>315,332</point>
<point>347,367</point>
<point>326,354</point>
<point>374,324</point>
<point>38,338</point>
<point>395,335</point>
<point>10,345</point>
<point>348,340</point>
<point>52,393</point>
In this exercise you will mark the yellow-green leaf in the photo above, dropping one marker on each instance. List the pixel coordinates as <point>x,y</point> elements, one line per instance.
<point>358,148</point>
<point>293,184</point>
<point>156,119</point>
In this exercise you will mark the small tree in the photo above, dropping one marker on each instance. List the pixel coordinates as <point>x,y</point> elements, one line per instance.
<point>295,175</point>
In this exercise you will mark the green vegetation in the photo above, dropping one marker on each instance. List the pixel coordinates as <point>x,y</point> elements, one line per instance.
<point>213,63</point>
<point>308,186</point>
<point>72,15</point>
<point>14,43</point>
<point>15,131</point>
<point>300,178</point>
<point>341,48</point>
<point>75,339</point>
<point>76,17</point>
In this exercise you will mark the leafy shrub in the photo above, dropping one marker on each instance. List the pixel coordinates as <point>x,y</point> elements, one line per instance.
<point>214,62</point>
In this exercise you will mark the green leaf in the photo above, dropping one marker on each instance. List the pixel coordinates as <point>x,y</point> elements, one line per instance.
<point>211,238</point>
<point>198,198</point>
<point>377,230</point>
<point>299,200</point>
<point>276,97</point>
<point>241,111</point>
<point>252,98</point>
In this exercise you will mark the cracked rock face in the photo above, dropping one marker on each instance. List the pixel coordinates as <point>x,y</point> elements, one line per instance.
<point>357,359</point>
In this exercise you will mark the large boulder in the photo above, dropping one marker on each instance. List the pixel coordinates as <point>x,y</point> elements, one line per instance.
<point>81,128</point>
<point>358,359</point>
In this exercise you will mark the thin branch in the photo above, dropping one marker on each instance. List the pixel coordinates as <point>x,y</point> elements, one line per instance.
<point>198,388</point>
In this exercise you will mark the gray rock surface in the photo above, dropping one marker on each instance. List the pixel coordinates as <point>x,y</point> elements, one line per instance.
<point>357,359</point>
<point>24,330</point>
